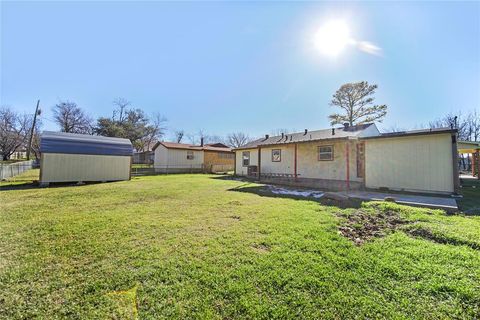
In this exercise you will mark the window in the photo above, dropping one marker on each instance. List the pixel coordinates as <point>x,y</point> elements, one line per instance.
<point>246,158</point>
<point>190,155</point>
<point>325,153</point>
<point>276,155</point>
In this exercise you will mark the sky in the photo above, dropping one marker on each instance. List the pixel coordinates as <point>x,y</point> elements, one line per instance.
<point>239,66</point>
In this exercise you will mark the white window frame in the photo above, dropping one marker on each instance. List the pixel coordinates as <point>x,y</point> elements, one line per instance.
<point>320,153</point>
<point>245,156</point>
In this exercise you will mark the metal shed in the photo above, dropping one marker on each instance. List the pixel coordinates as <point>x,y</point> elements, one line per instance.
<point>69,157</point>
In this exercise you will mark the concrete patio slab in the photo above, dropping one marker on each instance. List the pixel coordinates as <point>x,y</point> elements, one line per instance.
<point>447,204</point>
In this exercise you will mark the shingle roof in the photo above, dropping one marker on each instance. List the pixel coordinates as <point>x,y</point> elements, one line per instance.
<point>184,146</point>
<point>324,134</point>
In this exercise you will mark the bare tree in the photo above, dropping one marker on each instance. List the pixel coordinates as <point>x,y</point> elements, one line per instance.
<point>122,106</point>
<point>192,138</point>
<point>202,134</point>
<point>36,139</point>
<point>356,102</point>
<point>454,121</point>
<point>71,118</point>
<point>154,131</point>
<point>237,139</point>
<point>13,131</point>
<point>474,125</point>
<point>179,135</point>
<point>215,139</point>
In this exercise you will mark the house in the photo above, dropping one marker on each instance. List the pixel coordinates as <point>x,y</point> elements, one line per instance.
<point>69,157</point>
<point>355,157</point>
<point>173,157</point>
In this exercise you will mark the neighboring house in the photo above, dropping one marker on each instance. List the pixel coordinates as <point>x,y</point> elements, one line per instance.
<point>70,157</point>
<point>173,157</point>
<point>19,154</point>
<point>355,157</point>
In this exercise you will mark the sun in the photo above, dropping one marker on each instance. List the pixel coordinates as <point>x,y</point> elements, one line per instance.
<point>332,37</point>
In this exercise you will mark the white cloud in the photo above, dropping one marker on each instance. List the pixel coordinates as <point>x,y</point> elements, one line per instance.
<point>369,47</point>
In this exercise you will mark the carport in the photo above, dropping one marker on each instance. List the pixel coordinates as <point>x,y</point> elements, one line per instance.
<point>473,149</point>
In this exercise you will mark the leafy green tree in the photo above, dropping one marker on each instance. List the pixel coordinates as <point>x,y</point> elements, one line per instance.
<point>356,101</point>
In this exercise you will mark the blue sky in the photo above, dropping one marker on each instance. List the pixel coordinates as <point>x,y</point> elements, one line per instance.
<point>238,66</point>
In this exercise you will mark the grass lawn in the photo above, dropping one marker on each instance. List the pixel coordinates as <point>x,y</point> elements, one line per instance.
<point>199,246</point>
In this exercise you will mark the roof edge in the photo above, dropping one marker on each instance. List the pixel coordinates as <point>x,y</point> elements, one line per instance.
<point>409,134</point>
<point>287,143</point>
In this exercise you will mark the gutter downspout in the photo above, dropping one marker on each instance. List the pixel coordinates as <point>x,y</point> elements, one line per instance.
<point>235,164</point>
<point>259,161</point>
<point>456,176</point>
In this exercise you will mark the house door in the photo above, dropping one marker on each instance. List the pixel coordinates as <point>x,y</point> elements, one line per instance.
<point>360,159</point>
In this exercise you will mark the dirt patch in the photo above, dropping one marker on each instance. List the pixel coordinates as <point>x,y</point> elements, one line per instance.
<point>343,204</point>
<point>439,238</point>
<point>261,247</point>
<point>362,226</point>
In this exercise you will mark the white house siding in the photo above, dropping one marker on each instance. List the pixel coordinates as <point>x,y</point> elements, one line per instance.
<point>160,156</point>
<point>61,167</point>
<point>286,165</point>
<point>173,160</point>
<point>239,168</point>
<point>308,165</point>
<point>413,163</point>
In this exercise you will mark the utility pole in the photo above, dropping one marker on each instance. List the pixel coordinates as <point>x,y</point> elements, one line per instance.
<point>31,131</point>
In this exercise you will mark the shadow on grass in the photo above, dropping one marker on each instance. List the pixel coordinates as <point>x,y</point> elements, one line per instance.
<point>249,187</point>
<point>18,186</point>
<point>35,185</point>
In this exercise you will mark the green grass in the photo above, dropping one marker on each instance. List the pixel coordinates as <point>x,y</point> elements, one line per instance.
<point>470,203</point>
<point>198,246</point>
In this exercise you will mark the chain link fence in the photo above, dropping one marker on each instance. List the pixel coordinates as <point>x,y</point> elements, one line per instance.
<point>9,170</point>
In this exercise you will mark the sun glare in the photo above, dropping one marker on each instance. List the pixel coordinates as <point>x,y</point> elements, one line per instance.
<point>332,37</point>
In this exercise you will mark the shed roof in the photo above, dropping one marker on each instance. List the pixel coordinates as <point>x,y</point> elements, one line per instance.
<point>62,142</point>
<point>324,134</point>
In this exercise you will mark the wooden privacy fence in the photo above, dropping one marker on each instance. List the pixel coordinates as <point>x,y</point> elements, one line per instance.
<point>13,169</point>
